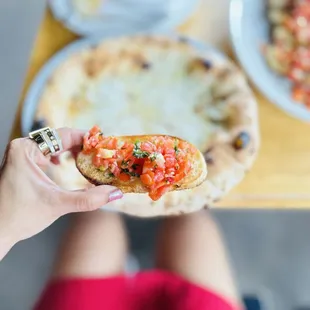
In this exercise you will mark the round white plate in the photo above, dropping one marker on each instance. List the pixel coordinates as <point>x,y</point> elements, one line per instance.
<point>249,30</point>
<point>114,20</point>
<point>33,95</point>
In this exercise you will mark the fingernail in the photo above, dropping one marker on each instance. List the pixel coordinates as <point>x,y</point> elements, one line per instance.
<point>116,194</point>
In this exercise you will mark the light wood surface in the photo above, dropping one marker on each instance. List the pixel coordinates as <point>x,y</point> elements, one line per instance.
<point>280,177</point>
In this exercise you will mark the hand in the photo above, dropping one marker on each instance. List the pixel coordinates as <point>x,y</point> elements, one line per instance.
<point>30,201</point>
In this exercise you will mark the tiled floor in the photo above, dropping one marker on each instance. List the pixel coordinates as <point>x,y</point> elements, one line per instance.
<point>270,251</point>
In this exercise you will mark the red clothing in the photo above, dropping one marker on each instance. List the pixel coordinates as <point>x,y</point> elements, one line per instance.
<point>150,290</point>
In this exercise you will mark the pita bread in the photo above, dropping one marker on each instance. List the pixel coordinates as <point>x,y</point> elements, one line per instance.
<point>150,85</point>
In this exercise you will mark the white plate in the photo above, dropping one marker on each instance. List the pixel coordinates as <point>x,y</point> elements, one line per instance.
<point>249,30</point>
<point>162,16</point>
<point>33,95</point>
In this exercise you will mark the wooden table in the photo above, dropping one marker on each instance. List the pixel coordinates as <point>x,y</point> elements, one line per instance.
<point>280,177</point>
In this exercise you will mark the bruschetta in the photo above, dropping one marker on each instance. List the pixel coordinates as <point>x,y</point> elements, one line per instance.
<point>153,164</point>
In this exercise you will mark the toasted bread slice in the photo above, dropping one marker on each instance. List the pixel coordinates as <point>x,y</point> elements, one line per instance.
<point>195,177</point>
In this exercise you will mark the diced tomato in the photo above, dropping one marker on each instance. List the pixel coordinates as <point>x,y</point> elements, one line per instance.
<point>103,141</point>
<point>170,160</point>
<point>179,177</point>
<point>147,166</point>
<point>183,145</point>
<point>124,177</point>
<point>187,167</point>
<point>94,140</point>
<point>169,143</point>
<point>96,129</point>
<point>147,147</point>
<point>159,176</point>
<point>112,144</point>
<point>138,165</point>
<point>147,179</point>
<point>155,195</point>
<point>106,163</point>
<point>115,169</point>
<point>97,161</point>
<point>169,151</point>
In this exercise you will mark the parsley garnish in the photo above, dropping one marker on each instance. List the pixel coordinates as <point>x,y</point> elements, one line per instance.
<point>132,174</point>
<point>138,153</point>
<point>176,149</point>
<point>153,156</point>
<point>125,163</point>
<point>111,175</point>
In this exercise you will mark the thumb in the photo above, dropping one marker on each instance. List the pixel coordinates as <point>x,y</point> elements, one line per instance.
<point>93,198</point>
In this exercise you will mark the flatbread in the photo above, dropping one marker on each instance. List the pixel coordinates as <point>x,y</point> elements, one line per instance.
<point>157,85</point>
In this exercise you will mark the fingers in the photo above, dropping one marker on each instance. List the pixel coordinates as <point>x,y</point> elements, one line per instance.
<point>70,138</point>
<point>91,199</point>
<point>19,149</point>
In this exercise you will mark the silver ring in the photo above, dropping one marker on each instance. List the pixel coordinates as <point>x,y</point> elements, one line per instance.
<point>47,140</point>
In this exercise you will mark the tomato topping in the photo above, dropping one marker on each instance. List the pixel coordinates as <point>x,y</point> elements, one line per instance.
<point>290,48</point>
<point>112,144</point>
<point>148,147</point>
<point>124,177</point>
<point>96,129</point>
<point>155,195</point>
<point>147,179</point>
<point>159,162</point>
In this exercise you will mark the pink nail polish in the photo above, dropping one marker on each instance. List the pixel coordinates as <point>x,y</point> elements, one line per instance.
<point>116,194</point>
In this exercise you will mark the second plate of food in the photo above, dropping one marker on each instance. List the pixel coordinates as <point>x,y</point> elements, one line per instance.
<point>151,84</point>
<point>270,39</point>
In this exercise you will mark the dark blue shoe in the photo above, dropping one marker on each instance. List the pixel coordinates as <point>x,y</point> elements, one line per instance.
<point>252,303</point>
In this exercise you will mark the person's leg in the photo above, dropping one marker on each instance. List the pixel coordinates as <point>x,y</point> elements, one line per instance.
<point>191,246</point>
<point>94,246</point>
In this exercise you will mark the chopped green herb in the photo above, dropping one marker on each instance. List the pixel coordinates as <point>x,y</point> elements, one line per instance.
<point>138,153</point>
<point>176,149</point>
<point>110,174</point>
<point>135,166</point>
<point>132,174</point>
<point>124,163</point>
<point>153,156</point>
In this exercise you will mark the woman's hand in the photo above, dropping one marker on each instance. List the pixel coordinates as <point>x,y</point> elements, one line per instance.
<point>30,201</point>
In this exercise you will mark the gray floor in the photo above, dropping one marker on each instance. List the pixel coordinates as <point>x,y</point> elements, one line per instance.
<point>270,251</point>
